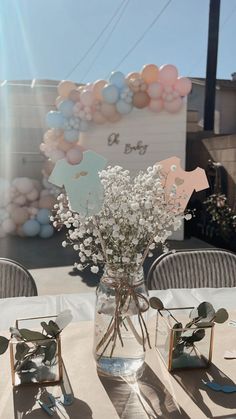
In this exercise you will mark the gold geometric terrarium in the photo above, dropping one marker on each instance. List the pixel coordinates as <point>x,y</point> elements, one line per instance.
<point>35,358</point>
<point>180,346</point>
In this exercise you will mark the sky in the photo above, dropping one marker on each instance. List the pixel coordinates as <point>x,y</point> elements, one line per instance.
<point>85,40</point>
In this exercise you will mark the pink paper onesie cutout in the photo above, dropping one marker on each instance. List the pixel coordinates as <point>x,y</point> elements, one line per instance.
<point>184,182</point>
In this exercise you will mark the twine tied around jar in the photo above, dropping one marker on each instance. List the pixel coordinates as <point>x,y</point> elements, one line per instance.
<point>125,293</point>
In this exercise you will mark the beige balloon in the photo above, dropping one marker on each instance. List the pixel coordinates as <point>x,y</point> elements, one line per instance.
<point>19,215</point>
<point>141,100</point>
<point>98,117</point>
<point>97,89</point>
<point>115,118</point>
<point>74,95</point>
<point>150,73</point>
<point>132,76</point>
<point>108,110</point>
<point>65,87</point>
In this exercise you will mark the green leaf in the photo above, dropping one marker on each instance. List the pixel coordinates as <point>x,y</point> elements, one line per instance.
<point>196,337</point>
<point>51,328</point>
<point>54,327</point>
<point>199,335</point>
<point>221,315</point>
<point>30,335</point>
<point>206,311</point>
<point>3,344</point>
<point>50,351</point>
<point>156,303</point>
<point>21,350</point>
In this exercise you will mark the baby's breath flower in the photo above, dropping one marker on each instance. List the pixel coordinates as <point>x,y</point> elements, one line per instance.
<point>136,216</point>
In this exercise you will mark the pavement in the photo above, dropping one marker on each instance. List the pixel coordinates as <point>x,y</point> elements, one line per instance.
<point>51,265</point>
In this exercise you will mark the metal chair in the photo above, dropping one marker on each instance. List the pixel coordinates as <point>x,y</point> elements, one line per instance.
<point>196,268</point>
<point>15,280</point>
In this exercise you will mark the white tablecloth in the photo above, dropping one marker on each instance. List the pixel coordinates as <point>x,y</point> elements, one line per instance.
<point>82,305</point>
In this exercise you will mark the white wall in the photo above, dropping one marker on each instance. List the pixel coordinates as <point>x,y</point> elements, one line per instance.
<point>163,135</point>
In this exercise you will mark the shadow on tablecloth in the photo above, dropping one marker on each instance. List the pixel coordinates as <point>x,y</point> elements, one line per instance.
<point>26,405</point>
<point>199,393</point>
<point>144,398</point>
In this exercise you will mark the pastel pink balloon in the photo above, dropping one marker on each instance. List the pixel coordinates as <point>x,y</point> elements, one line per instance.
<point>65,145</point>
<point>19,215</point>
<point>168,74</point>
<point>156,105</point>
<point>155,90</point>
<point>86,98</point>
<point>36,184</point>
<point>97,89</point>
<point>183,86</point>
<point>57,155</point>
<point>98,117</point>
<point>8,226</point>
<point>20,200</point>
<point>33,195</point>
<point>23,184</point>
<point>74,155</point>
<point>52,134</point>
<point>173,106</point>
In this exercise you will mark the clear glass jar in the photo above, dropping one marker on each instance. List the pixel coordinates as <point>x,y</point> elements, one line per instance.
<point>121,334</point>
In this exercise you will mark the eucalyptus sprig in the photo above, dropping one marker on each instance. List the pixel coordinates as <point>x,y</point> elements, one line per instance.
<point>201,317</point>
<point>42,343</point>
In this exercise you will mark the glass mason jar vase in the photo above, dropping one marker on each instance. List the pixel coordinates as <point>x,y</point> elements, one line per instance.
<point>121,334</point>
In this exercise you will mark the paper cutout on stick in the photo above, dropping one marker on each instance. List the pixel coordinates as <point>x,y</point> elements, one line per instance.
<point>186,182</point>
<point>81,182</point>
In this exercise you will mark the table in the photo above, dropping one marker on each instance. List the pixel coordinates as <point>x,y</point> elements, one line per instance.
<point>82,305</point>
<point>156,394</point>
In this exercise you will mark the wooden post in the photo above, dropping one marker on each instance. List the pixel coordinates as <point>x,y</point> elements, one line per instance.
<point>210,87</point>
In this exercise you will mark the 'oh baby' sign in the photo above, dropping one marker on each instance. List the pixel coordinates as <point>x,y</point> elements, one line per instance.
<point>139,139</point>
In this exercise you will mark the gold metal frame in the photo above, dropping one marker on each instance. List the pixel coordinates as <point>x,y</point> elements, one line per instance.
<point>171,331</point>
<point>60,362</point>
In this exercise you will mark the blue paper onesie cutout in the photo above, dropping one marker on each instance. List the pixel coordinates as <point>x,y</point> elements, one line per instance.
<point>81,182</point>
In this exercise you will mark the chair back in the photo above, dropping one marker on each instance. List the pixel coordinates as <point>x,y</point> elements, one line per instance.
<point>15,280</point>
<point>196,268</point>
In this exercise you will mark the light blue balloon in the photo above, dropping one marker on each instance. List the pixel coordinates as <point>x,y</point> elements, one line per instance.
<point>66,108</point>
<point>46,231</point>
<point>117,78</point>
<point>71,135</point>
<point>110,93</point>
<point>43,216</point>
<point>31,228</point>
<point>83,125</point>
<point>55,119</point>
<point>123,107</point>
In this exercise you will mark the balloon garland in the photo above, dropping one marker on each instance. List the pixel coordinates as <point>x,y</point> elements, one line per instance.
<point>80,107</point>
<point>25,208</point>
<point>25,205</point>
